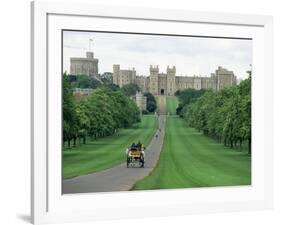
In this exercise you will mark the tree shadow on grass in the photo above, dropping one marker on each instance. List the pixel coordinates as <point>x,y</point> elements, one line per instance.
<point>101,143</point>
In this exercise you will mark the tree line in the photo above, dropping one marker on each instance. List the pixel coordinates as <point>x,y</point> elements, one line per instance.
<point>224,115</point>
<point>186,97</point>
<point>100,114</point>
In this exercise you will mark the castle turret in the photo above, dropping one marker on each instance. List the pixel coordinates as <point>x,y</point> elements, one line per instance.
<point>171,80</point>
<point>153,83</point>
<point>115,76</point>
<point>85,66</point>
<point>134,74</point>
<point>141,101</point>
<point>90,55</point>
<point>171,70</point>
<point>154,70</point>
<point>224,78</point>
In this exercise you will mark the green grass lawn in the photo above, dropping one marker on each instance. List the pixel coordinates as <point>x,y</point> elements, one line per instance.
<point>106,152</point>
<point>190,159</point>
<point>171,104</point>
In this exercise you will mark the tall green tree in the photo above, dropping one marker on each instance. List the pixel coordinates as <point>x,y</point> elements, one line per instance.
<point>69,115</point>
<point>151,104</point>
<point>100,114</point>
<point>224,115</point>
<point>186,97</point>
<point>130,89</point>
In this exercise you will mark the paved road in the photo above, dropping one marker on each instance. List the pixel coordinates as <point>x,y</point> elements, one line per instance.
<point>121,178</point>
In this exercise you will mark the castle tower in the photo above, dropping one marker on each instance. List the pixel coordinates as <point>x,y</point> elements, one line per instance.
<point>141,101</point>
<point>171,80</point>
<point>115,76</point>
<point>134,74</point>
<point>224,78</point>
<point>90,55</point>
<point>153,79</point>
<point>84,65</point>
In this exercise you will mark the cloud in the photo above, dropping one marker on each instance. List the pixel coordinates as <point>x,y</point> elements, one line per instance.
<point>190,55</point>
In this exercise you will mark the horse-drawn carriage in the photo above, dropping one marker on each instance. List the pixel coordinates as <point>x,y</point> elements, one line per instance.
<point>135,156</point>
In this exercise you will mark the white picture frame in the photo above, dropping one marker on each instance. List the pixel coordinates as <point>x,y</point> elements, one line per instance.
<point>48,205</point>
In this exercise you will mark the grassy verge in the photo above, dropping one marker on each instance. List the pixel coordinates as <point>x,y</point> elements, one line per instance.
<point>190,159</point>
<point>171,104</point>
<point>106,152</point>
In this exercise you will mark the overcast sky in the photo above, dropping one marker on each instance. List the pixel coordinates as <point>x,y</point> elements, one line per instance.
<point>190,55</point>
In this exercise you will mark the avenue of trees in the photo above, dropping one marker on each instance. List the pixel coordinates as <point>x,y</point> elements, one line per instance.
<point>224,115</point>
<point>100,114</point>
<point>186,97</point>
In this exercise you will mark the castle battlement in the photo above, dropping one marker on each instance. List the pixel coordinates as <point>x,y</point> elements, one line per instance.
<point>84,65</point>
<point>168,83</point>
<point>154,70</point>
<point>171,70</point>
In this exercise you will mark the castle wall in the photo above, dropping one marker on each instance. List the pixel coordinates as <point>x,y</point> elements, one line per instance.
<point>84,66</point>
<point>184,83</point>
<point>168,83</point>
<point>153,80</point>
<point>171,80</point>
<point>141,101</point>
<point>122,77</point>
<point>225,78</point>
<point>143,83</point>
<point>115,75</point>
<point>162,84</point>
<point>207,83</point>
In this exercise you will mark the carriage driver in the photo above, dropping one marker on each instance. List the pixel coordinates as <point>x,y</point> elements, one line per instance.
<point>139,145</point>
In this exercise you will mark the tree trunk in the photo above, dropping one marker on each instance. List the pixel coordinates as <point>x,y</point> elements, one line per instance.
<point>74,142</point>
<point>240,144</point>
<point>235,143</point>
<point>84,140</point>
<point>68,143</point>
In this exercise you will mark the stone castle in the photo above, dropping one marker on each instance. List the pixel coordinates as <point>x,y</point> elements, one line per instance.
<point>156,83</point>
<point>168,83</point>
<point>85,66</point>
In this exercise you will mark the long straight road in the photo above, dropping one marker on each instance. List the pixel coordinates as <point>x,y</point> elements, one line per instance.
<point>121,178</point>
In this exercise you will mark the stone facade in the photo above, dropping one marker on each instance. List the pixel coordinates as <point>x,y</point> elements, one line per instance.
<point>141,101</point>
<point>168,83</point>
<point>122,77</point>
<point>224,78</point>
<point>84,66</point>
